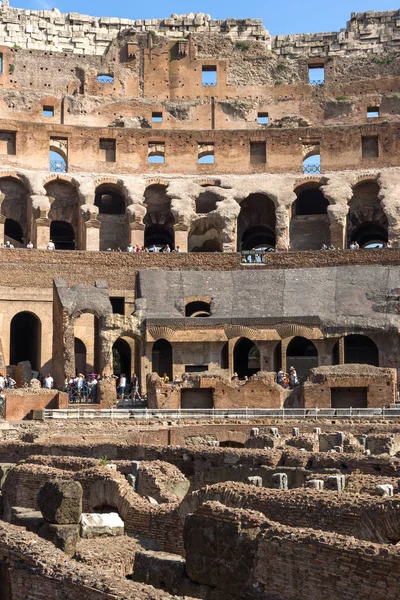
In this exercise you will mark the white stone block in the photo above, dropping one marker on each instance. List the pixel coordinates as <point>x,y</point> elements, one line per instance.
<point>101,524</point>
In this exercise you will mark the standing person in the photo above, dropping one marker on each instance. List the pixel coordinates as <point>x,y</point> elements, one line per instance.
<point>122,385</point>
<point>135,387</point>
<point>2,382</point>
<point>280,378</point>
<point>29,245</point>
<point>10,382</point>
<point>165,378</point>
<point>293,379</point>
<point>50,245</point>
<point>48,382</point>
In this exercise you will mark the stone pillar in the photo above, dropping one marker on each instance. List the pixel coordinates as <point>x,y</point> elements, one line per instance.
<point>341,351</point>
<point>42,233</point>
<point>181,237</point>
<point>267,350</point>
<point>282,229</point>
<point>137,234</point>
<point>92,235</point>
<point>325,350</point>
<point>337,216</point>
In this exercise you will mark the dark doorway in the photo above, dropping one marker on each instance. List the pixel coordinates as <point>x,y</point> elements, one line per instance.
<point>161,358</point>
<point>197,398</point>
<point>62,234</point>
<point>301,354</point>
<point>25,339</point>
<point>354,397</point>
<point>310,201</point>
<point>159,236</point>
<point>358,349</point>
<point>80,357</point>
<point>225,356</point>
<point>109,201</point>
<point>13,231</point>
<point>122,358</point>
<point>246,358</point>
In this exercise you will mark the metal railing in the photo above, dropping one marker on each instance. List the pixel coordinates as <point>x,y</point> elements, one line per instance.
<point>57,166</point>
<point>312,169</point>
<point>83,395</point>
<point>317,82</point>
<point>223,413</point>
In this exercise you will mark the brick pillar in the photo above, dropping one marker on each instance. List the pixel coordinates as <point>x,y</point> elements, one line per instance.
<point>92,235</point>
<point>181,237</point>
<point>337,216</point>
<point>2,221</point>
<point>341,351</point>
<point>282,229</point>
<point>137,234</point>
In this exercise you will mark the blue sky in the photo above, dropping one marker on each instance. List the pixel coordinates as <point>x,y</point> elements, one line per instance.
<point>286,16</point>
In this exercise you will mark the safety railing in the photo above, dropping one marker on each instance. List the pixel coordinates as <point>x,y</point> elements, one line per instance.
<point>82,395</point>
<point>223,413</point>
<point>317,82</point>
<point>57,167</point>
<point>309,169</point>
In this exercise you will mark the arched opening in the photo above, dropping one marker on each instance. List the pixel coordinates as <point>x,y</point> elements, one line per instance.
<point>122,359</point>
<point>62,235</point>
<point>64,214</point>
<point>256,223</point>
<point>58,162</point>
<point>80,357</point>
<point>161,358</point>
<point>159,220</point>
<point>158,236</point>
<point>15,209</point>
<point>358,349</point>
<point>312,162</point>
<point>309,225</point>
<point>301,354</point>
<point>367,223</point>
<point>225,356</point>
<point>13,232</point>
<point>25,339</point>
<point>198,309</point>
<point>370,235</point>
<point>246,358</point>
<point>114,231</point>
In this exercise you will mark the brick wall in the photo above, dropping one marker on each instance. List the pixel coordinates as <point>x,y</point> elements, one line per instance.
<point>20,403</point>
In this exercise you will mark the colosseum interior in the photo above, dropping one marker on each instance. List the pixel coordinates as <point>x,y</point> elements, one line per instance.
<point>199,309</point>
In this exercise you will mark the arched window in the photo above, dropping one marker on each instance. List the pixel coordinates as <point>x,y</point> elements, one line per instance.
<point>198,309</point>
<point>159,220</point>
<point>159,236</point>
<point>358,349</point>
<point>114,230</point>
<point>62,235</point>
<point>161,358</point>
<point>312,163</point>
<point>109,201</point>
<point>370,235</point>
<point>310,201</point>
<point>13,231</point>
<point>309,225</point>
<point>58,164</point>
<point>301,354</point>
<point>246,358</point>
<point>25,339</point>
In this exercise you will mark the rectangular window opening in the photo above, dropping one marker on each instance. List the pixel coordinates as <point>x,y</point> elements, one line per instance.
<point>209,75</point>
<point>156,152</point>
<point>316,75</point>
<point>196,368</point>
<point>205,154</point>
<point>258,153</point>
<point>108,150</point>
<point>105,78</point>
<point>372,112</point>
<point>262,118</point>
<point>48,111</point>
<point>118,305</point>
<point>370,146</point>
<point>157,117</point>
<point>8,142</point>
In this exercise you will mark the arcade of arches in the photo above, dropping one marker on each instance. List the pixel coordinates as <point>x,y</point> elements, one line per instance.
<point>257,224</point>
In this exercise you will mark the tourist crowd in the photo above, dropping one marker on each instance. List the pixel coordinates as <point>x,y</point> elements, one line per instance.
<point>287,380</point>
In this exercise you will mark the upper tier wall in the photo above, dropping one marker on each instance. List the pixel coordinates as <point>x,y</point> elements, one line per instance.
<point>84,34</point>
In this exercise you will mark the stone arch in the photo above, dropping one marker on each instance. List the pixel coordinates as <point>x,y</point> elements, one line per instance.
<point>358,349</point>
<point>122,358</point>
<point>366,219</point>
<point>111,202</point>
<point>15,203</point>
<point>159,220</point>
<point>256,223</point>
<point>309,225</point>
<point>162,358</point>
<point>246,358</point>
<point>64,211</point>
<point>302,354</point>
<point>25,339</point>
<point>80,356</point>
